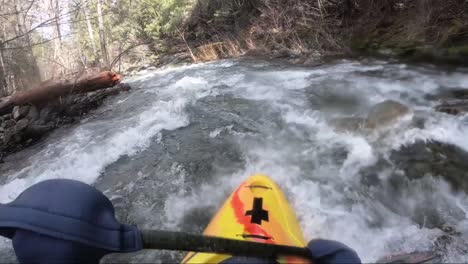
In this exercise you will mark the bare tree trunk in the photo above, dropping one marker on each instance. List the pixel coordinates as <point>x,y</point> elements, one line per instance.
<point>90,32</point>
<point>102,36</point>
<point>5,73</point>
<point>29,73</point>
<point>57,21</point>
<point>3,82</point>
<point>55,12</point>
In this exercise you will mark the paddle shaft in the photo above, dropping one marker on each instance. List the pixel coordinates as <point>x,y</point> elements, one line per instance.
<point>157,239</point>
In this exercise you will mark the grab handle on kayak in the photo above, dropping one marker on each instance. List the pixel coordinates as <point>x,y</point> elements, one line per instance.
<point>158,239</point>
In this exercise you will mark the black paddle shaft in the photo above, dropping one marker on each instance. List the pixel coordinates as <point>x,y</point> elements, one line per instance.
<point>156,239</point>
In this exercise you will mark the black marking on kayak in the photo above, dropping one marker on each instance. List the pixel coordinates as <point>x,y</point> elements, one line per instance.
<point>258,186</point>
<point>255,236</point>
<point>258,213</point>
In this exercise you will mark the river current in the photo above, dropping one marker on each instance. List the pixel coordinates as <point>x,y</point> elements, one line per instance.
<point>171,151</point>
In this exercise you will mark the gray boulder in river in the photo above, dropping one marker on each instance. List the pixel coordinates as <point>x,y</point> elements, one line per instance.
<point>382,114</point>
<point>436,159</point>
<point>408,171</point>
<point>386,113</point>
<point>349,124</point>
<point>453,101</point>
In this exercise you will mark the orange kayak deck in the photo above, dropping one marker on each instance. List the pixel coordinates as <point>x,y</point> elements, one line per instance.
<point>256,211</point>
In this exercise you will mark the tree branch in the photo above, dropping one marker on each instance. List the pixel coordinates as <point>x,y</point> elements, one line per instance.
<point>114,61</point>
<point>33,44</point>
<point>42,24</point>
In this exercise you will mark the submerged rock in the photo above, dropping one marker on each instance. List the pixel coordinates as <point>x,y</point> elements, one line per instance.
<point>380,115</point>
<point>458,93</point>
<point>455,107</point>
<point>405,182</point>
<point>386,113</point>
<point>349,124</point>
<point>436,159</point>
<point>453,101</point>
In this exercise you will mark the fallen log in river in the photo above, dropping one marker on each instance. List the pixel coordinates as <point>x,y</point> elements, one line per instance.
<point>47,92</point>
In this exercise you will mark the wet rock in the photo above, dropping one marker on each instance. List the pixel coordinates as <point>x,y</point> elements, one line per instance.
<point>8,123</point>
<point>380,115</point>
<point>332,98</point>
<point>33,123</point>
<point>33,113</point>
<point>412,257</point>
<point>37,131</point>
<point>453,101</point>
<point>458,93</point>
<point>8,135</point>
<point>16,113</point>
<point>47,114</point>
<point>21,124</point>
<point>385,113</point>
<point>349,124</point>
<point>419,121</point>
<point>455,107</point>
<point>311,61</point>
<point>253,53</point>
<point>122,87</point>
<point>17,139</point>
<point>80,105</point>
<point>20,111</point>
<point>6,117</point>
<point>284,53</point>
<point>434,158</point>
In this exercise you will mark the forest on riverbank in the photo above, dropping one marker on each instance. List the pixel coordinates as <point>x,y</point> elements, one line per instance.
<point>48,40</point>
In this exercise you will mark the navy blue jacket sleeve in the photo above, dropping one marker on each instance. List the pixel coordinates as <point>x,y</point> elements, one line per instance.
<point>332,252</point>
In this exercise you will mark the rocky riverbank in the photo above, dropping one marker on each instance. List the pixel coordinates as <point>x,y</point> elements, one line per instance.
<point>27,124</point>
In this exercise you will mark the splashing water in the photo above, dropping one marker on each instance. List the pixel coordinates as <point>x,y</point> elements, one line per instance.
<point>174,148</point>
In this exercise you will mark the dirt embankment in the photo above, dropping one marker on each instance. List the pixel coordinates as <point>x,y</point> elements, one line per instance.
<point>421,30</point>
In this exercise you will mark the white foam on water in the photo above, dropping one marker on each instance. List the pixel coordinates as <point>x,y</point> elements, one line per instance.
<point>323,213</point>
<point>169,70</point>
<point>89,148</point>
<point>320,206</point>
<point>218,131</point>
<point>326,196</point>
<point>260,85</point>
<point>82,157</point>
<point>440,127</point>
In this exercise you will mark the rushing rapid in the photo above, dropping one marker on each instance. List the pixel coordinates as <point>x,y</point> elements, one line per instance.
<point>172,150</point>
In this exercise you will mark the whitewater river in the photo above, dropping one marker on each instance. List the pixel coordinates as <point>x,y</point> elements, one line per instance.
<point>168,153</point>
